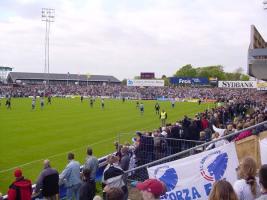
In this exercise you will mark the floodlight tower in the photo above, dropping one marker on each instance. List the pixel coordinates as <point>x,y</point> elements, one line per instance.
<point>48,16</point>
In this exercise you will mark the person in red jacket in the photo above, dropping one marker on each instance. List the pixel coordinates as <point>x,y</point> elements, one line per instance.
<point>204,123</point>
<point>21,188</point>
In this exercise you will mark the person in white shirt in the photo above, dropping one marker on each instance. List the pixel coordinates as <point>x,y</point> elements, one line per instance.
<point>247,187</point>
<point>263,182</point>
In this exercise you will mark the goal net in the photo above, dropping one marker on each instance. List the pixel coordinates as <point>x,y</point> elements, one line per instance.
<point>130,95</point>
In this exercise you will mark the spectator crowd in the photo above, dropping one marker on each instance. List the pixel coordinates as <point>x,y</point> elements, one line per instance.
<point>118,90</point>
<point>237,109</point>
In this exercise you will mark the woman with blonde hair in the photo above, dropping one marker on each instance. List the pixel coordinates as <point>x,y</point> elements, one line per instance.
<point>247,187</point>
<point>222,190</point>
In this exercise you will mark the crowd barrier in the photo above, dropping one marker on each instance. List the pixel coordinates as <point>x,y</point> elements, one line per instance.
<point>155,148</point>
<point>246,147</point>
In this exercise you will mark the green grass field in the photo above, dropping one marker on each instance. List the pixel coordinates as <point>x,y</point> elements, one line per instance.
<point>28,137</point>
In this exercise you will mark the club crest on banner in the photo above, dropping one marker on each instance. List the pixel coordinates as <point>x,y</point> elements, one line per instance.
<point>193,177</point>
<point>169,176</point>
<point>213,166</point>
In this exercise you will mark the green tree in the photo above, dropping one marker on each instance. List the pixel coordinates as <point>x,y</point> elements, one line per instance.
<point>236,75</point>
<point>137,77</point>
<point>124,82</point>
<point>186,71</point>
<point>215,71</point>
<point>166,80</point>
<point>244,77</point>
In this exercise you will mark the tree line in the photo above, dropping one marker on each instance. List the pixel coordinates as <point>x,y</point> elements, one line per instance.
<point>216,71</point>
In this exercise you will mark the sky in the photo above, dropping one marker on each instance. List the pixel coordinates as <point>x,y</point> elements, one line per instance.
<point>125,37</point>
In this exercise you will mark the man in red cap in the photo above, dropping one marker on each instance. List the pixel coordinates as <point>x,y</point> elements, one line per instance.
<point>21,188</point>
<point>151,189</point>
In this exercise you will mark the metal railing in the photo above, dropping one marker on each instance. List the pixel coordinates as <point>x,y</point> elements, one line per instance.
<point>139,173</point>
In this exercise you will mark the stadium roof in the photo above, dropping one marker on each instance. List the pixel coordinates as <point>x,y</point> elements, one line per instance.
<point>257,55</point>
<point>71,77</point>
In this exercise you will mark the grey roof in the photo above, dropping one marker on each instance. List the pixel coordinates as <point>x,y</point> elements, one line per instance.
<point>75,77</point>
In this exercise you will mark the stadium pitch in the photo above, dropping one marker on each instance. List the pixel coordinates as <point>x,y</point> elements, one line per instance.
<point>27,136</point>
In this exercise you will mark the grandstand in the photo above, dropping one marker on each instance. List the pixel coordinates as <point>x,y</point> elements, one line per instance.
<point>62,79</point>
<point>257,55</point>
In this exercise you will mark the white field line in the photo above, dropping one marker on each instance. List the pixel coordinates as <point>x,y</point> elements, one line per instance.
<point>59,154</point>
<point>56,155</point>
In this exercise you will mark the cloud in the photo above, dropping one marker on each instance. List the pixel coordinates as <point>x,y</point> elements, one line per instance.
<point>123,38</point>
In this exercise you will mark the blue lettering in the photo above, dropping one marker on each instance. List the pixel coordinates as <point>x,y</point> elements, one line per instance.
<point>172,196</point>
<point>195,193</point>
<point>208,188</point>
<point>186,192</point>
<point>179,195</point>
<point>165,196</point>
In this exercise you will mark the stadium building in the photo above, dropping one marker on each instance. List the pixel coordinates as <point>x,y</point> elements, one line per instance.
<point>62,79</point>
<point>257,55</point>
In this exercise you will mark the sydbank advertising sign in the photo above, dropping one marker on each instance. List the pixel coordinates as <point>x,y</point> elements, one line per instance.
<point>145,82</point>
<point>193,177</point>
<point>237,84</point>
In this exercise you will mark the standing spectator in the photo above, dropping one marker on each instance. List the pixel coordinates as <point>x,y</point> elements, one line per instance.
<point>87,190</point>
<point>118,149</point>
<point>194,131</point>
<point>247,187</point>
<point>185,124</point>
<point>91,163</point>
<point>204,123</point>
<point>125,159</point>
<point>243,134</point>
<point>202,136</point>
<point>263,182</point>
<point>113,176</point>
<point>71,177</point>
<point>208,134</point>
<point>115,194</point>
<point>151,189</point>
<point>222,190</point>
<point>47,182</point>
<point>21,188</point>
<point>220,142</point>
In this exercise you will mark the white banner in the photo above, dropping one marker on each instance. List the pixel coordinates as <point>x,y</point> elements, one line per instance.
<point>263,149</point>
<point>192,177</point>
<point>145,82</point>
<point>237,84</point>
